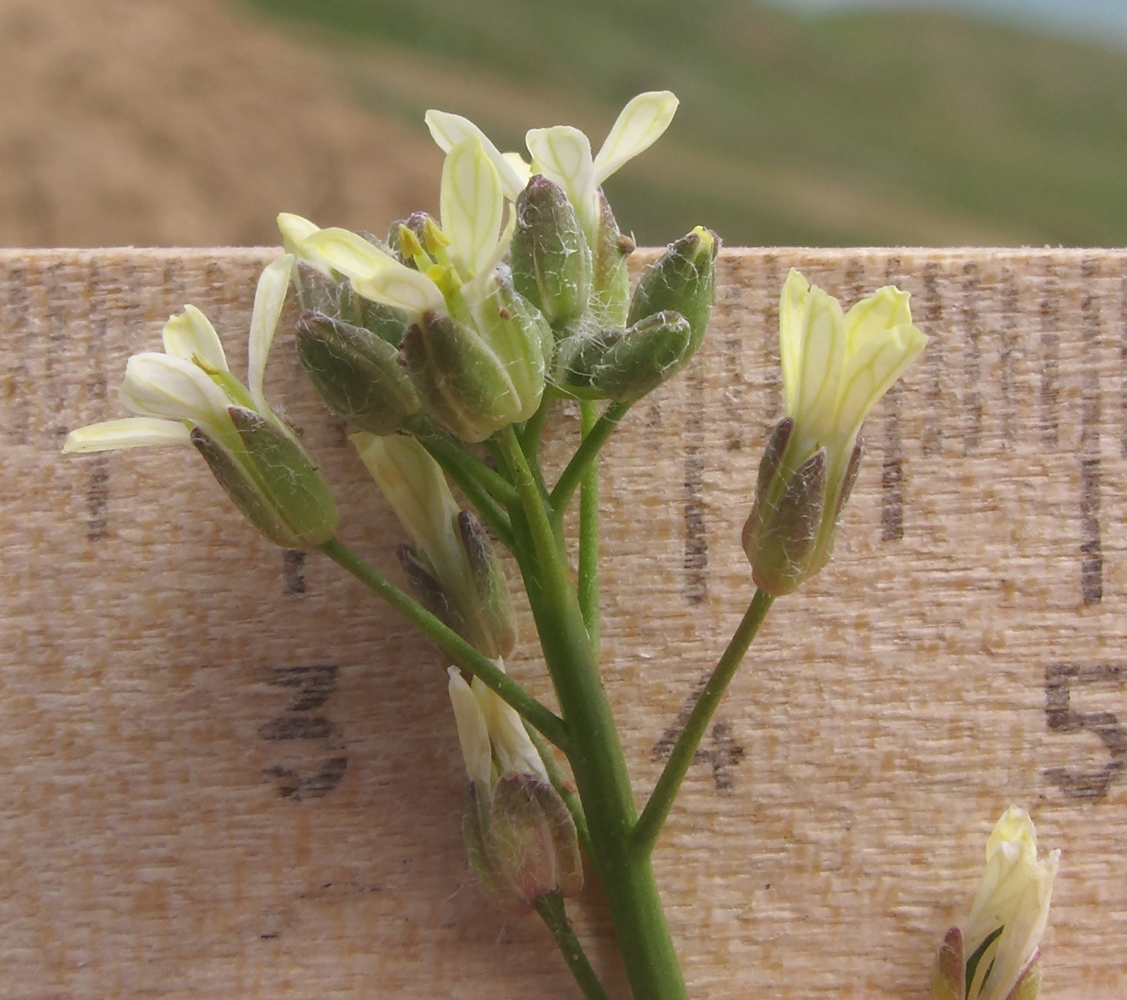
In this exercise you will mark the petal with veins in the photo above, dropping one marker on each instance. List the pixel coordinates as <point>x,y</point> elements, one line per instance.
<point>563,155</point>
<point>448,130</point>
<point>269,298</point>
<point>157,385</point>
<point>640,124</point>
<point>373,273</point>
<point>472,204</point>
<point>129,432</point>
<point>190,335</point>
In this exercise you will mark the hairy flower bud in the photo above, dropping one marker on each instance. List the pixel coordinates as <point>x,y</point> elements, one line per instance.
<point>520,838</point>
<point>683,279</point>
<point>475,379</point>
<point>357,372</point>
<point>639,359</point>
<point>551,262</point>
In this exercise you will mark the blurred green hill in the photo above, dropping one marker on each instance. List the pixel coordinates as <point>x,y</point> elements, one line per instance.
<point>856,129</point>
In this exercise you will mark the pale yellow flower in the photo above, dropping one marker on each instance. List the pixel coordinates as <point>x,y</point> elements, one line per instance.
<point>836,367</point>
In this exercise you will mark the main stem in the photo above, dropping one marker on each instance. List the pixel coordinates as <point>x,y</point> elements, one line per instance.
<point>594,751</point>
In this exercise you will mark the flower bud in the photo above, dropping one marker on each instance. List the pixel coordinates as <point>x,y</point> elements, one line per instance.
<point>357,372</point>
<point>521,840</point>
<point>272,481</point>
<point>551,262</point>
<point>638,360</point>
<point>836,367</point>
<point>520,837</point>
<point>995,955</point>
<point>475,379</point>
<point>462,384</point>
<point>682,279</point>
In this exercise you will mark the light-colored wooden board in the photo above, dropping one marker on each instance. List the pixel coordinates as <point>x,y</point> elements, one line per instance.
<point>229,773</point>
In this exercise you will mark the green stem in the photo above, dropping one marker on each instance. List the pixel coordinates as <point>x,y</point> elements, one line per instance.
<point>588,569</point>
<point>566,792</point>
<point>665,791</point>
<point>550,906</point>
<point>594,750</point>
<point>462,653</point>
<point>572,476</point>
<point>534,426</point>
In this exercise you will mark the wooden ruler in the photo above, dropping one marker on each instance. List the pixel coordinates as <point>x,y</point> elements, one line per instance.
<point>229,773</point>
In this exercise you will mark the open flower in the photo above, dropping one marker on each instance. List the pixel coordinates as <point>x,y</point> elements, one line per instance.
<point>836,367</point>
<point>187,395</point>
<point>562,153</point>
<point>520,837</point>
<point>994,955</point>
<point>476,351</point>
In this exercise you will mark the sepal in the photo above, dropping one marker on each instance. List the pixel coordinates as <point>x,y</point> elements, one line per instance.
<point>357,372</point>
<point>272,481</point>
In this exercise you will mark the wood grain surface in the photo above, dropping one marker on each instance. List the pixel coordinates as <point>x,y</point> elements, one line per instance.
<point>229,773</point>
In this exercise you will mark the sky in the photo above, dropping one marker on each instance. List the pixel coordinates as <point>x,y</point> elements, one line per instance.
<point>1105,20</point>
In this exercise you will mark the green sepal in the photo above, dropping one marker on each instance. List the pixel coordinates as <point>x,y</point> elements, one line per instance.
<point>272,481</point>
<point>288,480</point>
<point>463,383</point>
<point>242,490</point>
<point>610,292</point>
<point>357,372</point>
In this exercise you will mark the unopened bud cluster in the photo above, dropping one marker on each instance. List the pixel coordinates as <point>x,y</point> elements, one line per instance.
<point>520,287</point>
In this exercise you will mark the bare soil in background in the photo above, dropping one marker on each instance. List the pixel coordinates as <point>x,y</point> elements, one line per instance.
<point>181,123</point>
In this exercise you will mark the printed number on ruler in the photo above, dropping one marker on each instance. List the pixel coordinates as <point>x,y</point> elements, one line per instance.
<point>313,685</point>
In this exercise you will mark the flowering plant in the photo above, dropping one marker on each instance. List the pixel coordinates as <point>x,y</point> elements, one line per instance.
<point>448,347</point>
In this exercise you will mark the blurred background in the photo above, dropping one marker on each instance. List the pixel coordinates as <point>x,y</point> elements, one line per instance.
<point>802,122</point>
